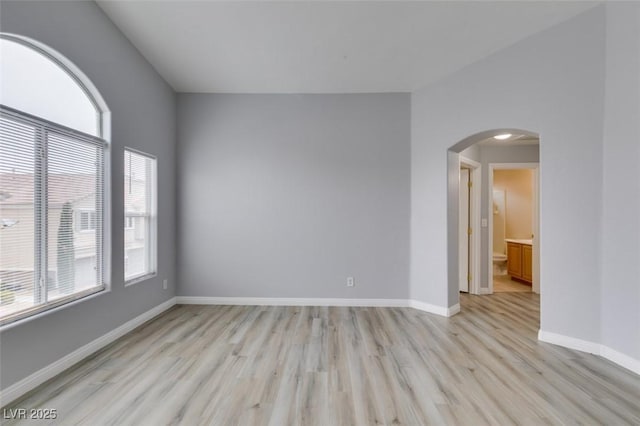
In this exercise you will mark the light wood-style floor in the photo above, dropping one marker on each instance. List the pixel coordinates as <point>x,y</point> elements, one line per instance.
<point>239,365</point>
<point>504,283</point>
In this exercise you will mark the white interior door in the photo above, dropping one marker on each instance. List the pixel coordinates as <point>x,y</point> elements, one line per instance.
<point>464,230</point>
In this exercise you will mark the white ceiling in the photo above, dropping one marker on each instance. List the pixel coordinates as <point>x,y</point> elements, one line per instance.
<point>513,140</point>
<point>324,46</point>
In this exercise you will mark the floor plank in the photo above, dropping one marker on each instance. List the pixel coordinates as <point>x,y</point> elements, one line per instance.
<point>258,365</point>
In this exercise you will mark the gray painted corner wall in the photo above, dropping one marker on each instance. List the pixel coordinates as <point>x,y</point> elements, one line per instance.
<point>143,117</point>
<point>472,153</point>
<point>288,195</point>
<point>553,84</point>
<point>621,202</point>
<point>578,86</point>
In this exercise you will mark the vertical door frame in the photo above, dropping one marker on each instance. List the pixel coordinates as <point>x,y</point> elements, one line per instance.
<point>535,218</point>
<point>474,216</point>
<point>464,224</point>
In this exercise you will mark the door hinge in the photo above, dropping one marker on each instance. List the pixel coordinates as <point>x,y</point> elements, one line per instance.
<point>469,231</point>
<point>470,184</point>
<point>469,278</point>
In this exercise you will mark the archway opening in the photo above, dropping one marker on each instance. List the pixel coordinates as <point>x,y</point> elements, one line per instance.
<point>480,154</point>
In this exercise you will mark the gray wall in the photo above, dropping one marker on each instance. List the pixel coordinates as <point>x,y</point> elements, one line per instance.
<point>287,195</point>
<point>551,84</point>
<point>615,305</point>
<point>486,155</point>
<point>472,153</point>
<point>621,203</point>
<point>143,117</point>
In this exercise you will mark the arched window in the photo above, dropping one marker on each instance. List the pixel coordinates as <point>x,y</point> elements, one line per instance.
<point>52,180</point>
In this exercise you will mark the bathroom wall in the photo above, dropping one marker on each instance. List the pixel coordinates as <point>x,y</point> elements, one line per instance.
<point>499,221</point>
<point>517,185</point>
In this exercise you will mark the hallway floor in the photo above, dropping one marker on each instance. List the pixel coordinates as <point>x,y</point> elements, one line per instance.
<point>504,284</point>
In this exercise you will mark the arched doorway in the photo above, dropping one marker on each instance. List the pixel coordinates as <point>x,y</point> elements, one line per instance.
<point>480,275</point>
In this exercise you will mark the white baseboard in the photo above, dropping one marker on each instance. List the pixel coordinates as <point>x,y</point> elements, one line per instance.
<point>451,311</point>
<point>36,379</point>
<point>569,342</point>
<point>485,290</point>
<point>435,309</point>
<point>292,301</point>
<point>621,359</point>
<point>590,347</point>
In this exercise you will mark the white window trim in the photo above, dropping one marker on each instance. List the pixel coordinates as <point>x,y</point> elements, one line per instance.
<point>54,308</point>
<point>79,226</point>
<point>104,133</point>
<point>153,223</point>
<point>46,306</point>
<point>127,221</point>
<point>140,278</point>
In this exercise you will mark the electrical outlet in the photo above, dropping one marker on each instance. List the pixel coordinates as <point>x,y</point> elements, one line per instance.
<point>165,284</point>
<point>351,282</point>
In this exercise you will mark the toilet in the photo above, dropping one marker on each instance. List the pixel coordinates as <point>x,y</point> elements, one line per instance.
<point>499,264</point>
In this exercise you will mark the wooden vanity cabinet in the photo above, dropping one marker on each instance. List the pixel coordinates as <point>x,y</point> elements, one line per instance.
<point>520,262</point>
<point>514,259</point>
<point>527,263</point>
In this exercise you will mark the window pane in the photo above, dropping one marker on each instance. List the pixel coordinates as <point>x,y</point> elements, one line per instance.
<point>73,181</point>
<point>51,183</point>
<point>17,227</point>
<point>139,204</point>
<point>33,83</point>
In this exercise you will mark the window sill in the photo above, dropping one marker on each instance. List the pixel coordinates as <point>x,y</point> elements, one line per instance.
<point>136,280</point>
<point>63,305</point>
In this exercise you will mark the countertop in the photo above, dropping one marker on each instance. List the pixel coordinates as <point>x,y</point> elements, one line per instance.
<point>525,242</point>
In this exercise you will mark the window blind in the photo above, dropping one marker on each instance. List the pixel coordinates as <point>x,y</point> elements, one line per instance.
<point>47,173</point>
<point>140,215</point>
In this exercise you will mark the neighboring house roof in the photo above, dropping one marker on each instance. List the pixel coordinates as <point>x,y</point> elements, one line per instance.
<point>17,188</point>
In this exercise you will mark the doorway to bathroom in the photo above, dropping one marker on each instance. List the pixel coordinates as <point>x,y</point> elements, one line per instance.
<point>513,227</point>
